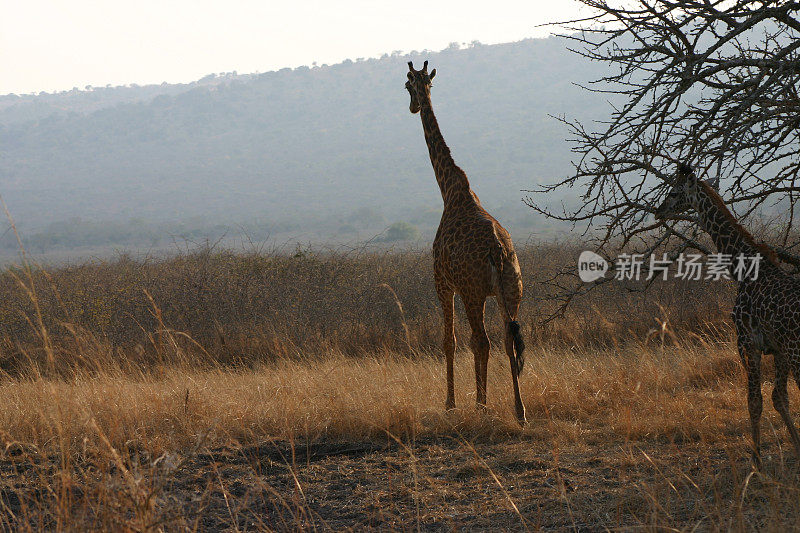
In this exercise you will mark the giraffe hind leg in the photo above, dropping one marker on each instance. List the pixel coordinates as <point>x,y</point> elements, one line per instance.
<point>480,346</point>
<point>513,356</point>
<point>780,398</point>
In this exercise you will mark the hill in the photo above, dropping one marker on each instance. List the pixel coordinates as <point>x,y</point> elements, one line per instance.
<point>328,152</point>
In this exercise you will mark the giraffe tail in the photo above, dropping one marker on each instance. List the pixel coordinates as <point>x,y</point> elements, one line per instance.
<point>497,260</point>
<point>519,344</point>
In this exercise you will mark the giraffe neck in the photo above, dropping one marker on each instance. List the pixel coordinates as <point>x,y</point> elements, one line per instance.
<point>715,218</point>
<point>449,176</point>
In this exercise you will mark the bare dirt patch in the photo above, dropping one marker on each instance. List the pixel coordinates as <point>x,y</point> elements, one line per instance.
<point>435,483</point>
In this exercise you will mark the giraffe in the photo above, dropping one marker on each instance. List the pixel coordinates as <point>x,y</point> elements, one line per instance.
<point>473,256</point>
<point>767,309</point>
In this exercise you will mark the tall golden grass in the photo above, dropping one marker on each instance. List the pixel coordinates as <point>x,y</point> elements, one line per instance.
<point>675,393</point>
<point>251,308</point>
<point>105,361</point>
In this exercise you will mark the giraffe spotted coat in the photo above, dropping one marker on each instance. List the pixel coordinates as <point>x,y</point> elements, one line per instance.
<point>767,309</point>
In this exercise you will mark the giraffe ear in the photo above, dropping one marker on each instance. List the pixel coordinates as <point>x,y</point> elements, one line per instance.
<point>411,65</point>
<point>425,65</point>
<point>433,73</point>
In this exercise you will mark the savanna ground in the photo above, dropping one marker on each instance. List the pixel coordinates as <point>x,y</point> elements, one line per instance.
<point>268,391</point>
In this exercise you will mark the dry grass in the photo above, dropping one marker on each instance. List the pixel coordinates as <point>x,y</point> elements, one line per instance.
<point>255,307</point>
<point>670,394</point>
<point>141,396</point>
<point>635,407</point>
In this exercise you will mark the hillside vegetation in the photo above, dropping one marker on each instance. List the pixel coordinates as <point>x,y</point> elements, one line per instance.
<point>335,143</point>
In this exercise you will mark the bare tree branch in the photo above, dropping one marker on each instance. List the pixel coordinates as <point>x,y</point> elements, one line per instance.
<point>710,82</point>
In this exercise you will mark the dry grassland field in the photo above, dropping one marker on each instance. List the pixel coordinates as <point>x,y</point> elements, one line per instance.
<point>262,391</point>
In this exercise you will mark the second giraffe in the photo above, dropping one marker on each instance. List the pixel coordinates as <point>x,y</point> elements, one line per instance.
<point>766,313</point>
<point>473,256</point>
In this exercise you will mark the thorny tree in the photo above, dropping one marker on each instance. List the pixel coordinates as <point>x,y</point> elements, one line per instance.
<point>710,83</point>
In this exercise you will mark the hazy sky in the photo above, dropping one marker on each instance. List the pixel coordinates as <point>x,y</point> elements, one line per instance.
<point>48,45</point>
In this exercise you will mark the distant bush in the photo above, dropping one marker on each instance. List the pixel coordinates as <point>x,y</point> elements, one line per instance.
<point>401,231</point>
<point>255,307</point>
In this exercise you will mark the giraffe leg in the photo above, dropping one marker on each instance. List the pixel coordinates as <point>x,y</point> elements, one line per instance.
<point>512,356</point>
<point>449,343</point>
<point>752,359</point>
<point>480,347</point>
<point>780,398</point>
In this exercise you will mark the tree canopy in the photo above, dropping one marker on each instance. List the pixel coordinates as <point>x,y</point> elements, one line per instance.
<point>708,83</point>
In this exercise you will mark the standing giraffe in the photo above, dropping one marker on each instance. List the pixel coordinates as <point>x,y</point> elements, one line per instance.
<point>473,256</point>
<point>767,309</point>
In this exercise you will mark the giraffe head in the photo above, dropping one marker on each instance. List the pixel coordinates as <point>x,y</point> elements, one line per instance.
<point>688,192</point>
<point>680,197</point>
<point>419,85</point>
